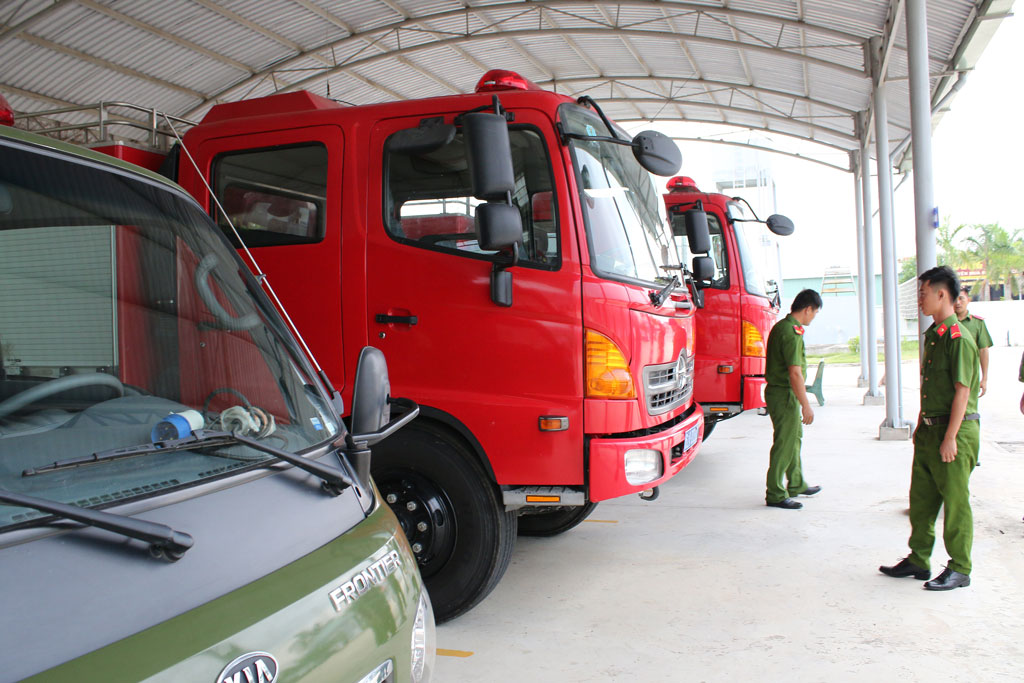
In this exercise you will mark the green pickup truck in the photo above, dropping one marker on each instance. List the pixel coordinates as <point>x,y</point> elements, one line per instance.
<point>179,498</point>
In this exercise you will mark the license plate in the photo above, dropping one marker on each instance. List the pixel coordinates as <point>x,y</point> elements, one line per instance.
<point>690,438</point>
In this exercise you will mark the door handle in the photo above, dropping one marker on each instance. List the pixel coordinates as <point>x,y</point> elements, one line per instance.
<point>399,319</point>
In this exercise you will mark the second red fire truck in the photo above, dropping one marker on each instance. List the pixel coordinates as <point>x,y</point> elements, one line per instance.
<point>739,306</point>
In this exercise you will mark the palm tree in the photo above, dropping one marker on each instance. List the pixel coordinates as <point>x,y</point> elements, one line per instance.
<point>1014,265</point>
<point>997,252</point>
<point>949,251</point>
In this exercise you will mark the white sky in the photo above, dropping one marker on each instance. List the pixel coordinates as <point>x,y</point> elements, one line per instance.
<point>978,168</point>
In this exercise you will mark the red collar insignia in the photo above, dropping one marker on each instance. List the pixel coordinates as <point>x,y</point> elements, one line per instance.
<point>941,329</point>
<point>954,332</point>
<point>799,329</point>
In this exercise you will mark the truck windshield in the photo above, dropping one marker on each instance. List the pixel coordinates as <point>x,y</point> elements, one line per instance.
<point>747,235</point>
<point>626,230</point>
<point>120,305</point>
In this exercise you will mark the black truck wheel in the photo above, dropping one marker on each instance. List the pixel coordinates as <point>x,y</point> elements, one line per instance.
<point>553,521</point>
<point>451,512</point>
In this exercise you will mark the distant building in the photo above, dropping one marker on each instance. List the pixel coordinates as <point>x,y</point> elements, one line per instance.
<point>839,320</point>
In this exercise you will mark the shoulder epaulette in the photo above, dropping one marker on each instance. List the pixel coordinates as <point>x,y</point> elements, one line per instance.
<point>977,317</point>
<point>799,329</point>
<point>954,331</point>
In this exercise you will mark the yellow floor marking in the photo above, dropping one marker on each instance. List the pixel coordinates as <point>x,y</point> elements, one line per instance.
<point>602,521</point>
<point>441,652</point>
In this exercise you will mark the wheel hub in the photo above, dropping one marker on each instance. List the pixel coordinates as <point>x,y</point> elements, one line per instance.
<point>426,516</point>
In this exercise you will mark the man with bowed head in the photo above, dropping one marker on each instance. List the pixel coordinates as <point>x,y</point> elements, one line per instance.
<point>786,398</point>
<point>946,439</point>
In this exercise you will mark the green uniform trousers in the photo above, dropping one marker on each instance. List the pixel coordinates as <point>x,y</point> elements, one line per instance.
<point>784,460</point>
<point>934,483</point>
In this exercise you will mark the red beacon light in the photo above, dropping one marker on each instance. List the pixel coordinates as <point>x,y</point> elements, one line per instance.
<point>502,79</point>
<point>682,183</point>
<point>6,113</point>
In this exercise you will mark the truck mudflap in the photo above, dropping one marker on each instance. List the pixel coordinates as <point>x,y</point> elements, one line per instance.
<point>677,447</point>
<point>753,392</point>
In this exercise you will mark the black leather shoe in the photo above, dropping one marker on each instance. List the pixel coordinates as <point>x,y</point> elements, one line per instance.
<point>906,568</point>
<point>948,580</point>
<point>810,490</point>
<point>787,504</point>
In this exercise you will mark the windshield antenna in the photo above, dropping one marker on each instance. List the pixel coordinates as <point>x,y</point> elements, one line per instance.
<point>261,277</point>
<point>587,99</point>
<point>752,212</point>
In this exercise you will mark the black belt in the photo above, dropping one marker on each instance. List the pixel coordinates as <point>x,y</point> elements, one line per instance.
<point>944,419</point>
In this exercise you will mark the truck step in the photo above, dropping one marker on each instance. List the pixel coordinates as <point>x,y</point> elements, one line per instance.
<point>563,496</point>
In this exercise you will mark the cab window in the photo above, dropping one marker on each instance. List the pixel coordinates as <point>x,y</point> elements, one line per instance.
<point>428,200</point>
<point>273,196</point>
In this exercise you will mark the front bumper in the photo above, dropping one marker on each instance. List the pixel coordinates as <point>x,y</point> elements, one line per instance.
<point>606,456</point>
<point>753,392</point>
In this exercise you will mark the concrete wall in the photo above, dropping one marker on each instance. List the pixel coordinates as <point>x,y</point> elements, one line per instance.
<point>838,321</point>
<point>1005,320</point>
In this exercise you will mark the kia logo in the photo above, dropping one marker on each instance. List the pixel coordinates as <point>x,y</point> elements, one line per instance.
<point>254,667</point>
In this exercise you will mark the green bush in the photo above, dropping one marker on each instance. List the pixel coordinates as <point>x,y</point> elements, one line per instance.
<point>854,344</point>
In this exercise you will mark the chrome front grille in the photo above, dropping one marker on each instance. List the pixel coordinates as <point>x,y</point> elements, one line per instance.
<point>669,385</point>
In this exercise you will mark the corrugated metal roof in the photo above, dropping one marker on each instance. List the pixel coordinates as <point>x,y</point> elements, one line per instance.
<point>795,67</point>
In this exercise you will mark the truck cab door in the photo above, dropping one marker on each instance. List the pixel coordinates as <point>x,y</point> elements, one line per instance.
<point>496,370</point>
<point>717,375</point>
<point>282,190</point>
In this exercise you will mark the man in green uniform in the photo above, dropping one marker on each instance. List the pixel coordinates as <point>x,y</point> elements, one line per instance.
<point>786,398</point>
<point>975,324</point>
<point>946,439</point>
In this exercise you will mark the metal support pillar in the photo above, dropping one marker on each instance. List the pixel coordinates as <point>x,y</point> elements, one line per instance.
<point>872,395</point>
<point>862,273</point>
<point>893,425</point>
<point>925,211</point>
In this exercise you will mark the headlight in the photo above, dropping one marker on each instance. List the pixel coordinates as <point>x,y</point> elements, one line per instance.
<point>423,644</point>
<point>642,465</point>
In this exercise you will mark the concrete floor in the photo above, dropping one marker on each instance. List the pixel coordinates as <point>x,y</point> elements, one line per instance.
<point>708,584</point>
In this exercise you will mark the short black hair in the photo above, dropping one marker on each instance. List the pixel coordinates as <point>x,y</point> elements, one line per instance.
<point>942,276</point>
<point>807,297</point>
<point>966,289</point>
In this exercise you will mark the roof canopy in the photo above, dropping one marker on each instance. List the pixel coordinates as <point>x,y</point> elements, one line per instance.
<point>791,67</point>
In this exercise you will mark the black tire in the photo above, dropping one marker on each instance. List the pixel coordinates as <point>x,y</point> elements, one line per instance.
<point>709,426</point>
<point>451,512</point>
<point>554,521</point>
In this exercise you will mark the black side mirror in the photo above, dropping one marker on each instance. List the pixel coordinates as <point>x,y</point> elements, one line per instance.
<point>370,392</point>
<point>490,155</point>
<point>657,153</point>
<point>370,407</point>
<point>371,411</point>
<point>780,225</point>
<point>703,268</point>
<point>498,226</point>
<point>697,233</point>
<point>430,135</point>
<point>498,223</point>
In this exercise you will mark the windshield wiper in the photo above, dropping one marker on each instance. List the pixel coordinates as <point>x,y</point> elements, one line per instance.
<point>334,480</point>
<point>657,298</point>
<point>163,540</point>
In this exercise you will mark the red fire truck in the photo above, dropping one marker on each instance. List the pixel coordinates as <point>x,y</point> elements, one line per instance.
<point>736,305</point>
<point>506,249</point>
